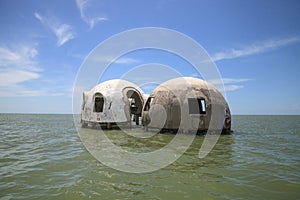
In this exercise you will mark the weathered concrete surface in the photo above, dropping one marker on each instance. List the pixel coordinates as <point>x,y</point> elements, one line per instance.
<point>188,104</point>
<point>113,101</point>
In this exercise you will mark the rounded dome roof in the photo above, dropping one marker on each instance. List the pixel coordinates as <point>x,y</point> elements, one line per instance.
<point>114,86</point>
<point>181,86</point>
<point>184,82</point>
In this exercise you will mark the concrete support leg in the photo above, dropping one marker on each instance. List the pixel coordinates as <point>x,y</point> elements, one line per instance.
<point>136,117</point>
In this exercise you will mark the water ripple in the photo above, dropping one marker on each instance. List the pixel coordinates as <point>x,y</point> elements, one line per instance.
<point>43,158</point>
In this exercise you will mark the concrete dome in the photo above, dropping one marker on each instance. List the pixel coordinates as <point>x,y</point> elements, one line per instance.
<point>186,103</point>
<point>111,102</point>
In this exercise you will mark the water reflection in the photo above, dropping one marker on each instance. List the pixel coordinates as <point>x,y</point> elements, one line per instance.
<point>221,155</point>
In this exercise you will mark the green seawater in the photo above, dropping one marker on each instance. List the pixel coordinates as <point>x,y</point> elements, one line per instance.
<point>42,157</point>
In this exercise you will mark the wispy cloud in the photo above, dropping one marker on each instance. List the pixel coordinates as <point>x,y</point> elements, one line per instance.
<point>229,88</point>
<point>254,49</point>
<point>63,32</point>
<point>229,80</point>
<point>230,84</point>
<point>19,90</point>
<point>87,15</point>
<point>126,61</point>
<point>22,56</point>
<point>294,107</point>
<point>16,76</point>
<point>17,66</point>
<point>122,60</point>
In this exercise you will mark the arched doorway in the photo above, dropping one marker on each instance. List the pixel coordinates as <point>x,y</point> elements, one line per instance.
<point>135,101</point>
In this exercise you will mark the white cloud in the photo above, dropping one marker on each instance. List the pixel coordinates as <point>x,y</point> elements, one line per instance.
<point>16,76</point>
<point>230,84</point>
<point>86,14</point>
<point>21,56</point>
<point>38,16</point>
<point>295,107</point>
<point>63,32</point>
<point>229,88</point>
<point>17,65</point>
<point>18,90</point>
<point>229,80</point>
<point>20,74</point>
<point>254,49</point>
<point>126,61</point>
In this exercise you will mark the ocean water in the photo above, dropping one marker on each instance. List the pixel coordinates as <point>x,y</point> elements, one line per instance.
<point>42,157</point>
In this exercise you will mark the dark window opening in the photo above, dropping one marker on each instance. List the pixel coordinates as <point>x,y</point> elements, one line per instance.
<point>99,103</point>
<point>83,102</point>
<point>148,103</point>
<point>197,106</point>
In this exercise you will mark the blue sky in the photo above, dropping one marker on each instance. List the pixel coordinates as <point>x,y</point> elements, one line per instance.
<point>255,45</point>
